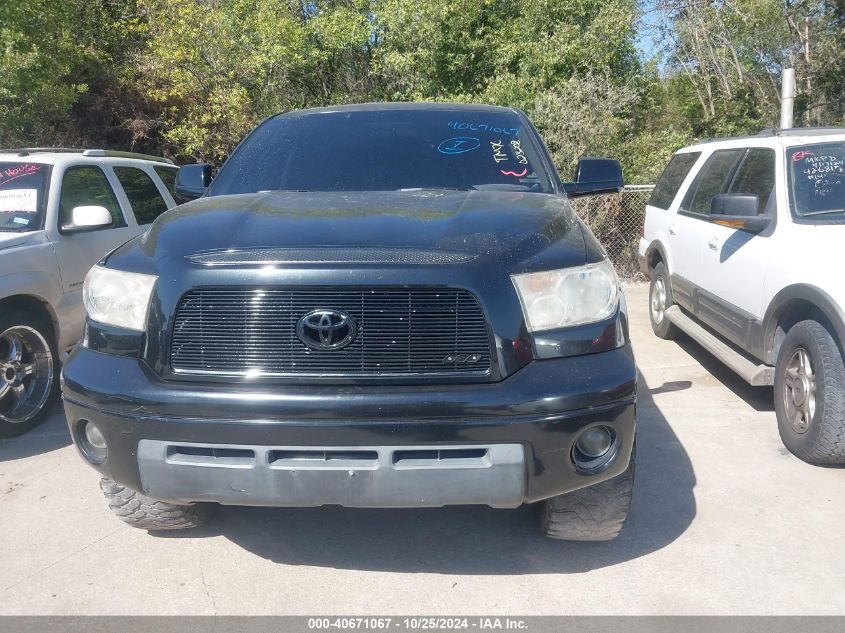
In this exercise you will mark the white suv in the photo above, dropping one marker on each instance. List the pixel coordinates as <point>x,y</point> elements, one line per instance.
<point>61,211</point>
<point>743,241</point>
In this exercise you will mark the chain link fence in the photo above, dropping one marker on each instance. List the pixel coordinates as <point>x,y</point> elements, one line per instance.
<point>616,219</point>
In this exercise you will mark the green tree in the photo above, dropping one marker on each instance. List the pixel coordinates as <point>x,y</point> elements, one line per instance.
<point>55,58</point>
<point>217,68</point>
<point>731,54</point>
<point>500,50</point>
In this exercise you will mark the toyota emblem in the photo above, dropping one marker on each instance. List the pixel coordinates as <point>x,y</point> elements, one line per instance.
<point>326,329</point>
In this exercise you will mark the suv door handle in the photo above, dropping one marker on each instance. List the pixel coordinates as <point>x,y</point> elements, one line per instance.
<point>673,230</point>
<point>713,243</point>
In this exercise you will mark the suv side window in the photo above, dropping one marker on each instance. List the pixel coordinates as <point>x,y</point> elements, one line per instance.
<point>88,185</point>
<point>710,181</point>
<point>756,176</point>
<point>671,179</point>
<point>168,177</point>
<point>146,201</point>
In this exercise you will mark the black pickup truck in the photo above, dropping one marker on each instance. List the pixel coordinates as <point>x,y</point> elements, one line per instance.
<point>382,305</point>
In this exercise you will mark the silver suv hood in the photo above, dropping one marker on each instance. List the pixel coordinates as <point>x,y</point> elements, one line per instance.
<point>10,240</point>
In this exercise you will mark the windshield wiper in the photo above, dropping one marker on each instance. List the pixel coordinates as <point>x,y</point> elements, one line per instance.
<point>825,212</point>
<point>503,186</point>
<point>284,191</point>
<point>431,189</point>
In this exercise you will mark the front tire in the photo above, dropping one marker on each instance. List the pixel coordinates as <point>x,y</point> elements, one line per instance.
<point>29,369</point>
<point>810,394</point>
<point>660,300</point>
<point>144,513</point>
<point>596,513</point>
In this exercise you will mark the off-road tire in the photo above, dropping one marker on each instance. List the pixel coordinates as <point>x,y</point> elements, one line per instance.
<point>824,440</point>
<point>145,513</point>
<point>596,513</point>
<point>662,327</point>
<point>13,318</point>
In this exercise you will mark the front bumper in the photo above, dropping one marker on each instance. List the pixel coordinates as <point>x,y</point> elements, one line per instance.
<point>313,445</point>
<point>361,476</point>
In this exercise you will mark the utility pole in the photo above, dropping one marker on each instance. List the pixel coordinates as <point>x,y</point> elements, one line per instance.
<point>807,66</point>
<point>787,99</point>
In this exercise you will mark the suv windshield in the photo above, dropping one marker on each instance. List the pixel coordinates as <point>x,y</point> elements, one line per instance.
<point>22,193</point>
<point>387,150</point>
<point>817,180</point>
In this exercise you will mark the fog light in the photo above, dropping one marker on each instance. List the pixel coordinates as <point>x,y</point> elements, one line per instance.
<point>595,449</point>
<point>595,442</point>
<point>94,437</point>
<point>91,442</point>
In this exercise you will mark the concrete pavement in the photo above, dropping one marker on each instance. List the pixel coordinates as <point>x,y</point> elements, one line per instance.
<point>724,521</point>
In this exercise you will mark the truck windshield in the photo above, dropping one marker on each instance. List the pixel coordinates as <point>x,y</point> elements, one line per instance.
<point>22,193</point>
<point>817,180</point>
<point>387,150</point>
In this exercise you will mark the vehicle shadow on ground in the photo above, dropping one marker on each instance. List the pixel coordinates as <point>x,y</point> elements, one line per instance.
<point>473,540</point>
<point>50,435</point>
<point>758,398</point>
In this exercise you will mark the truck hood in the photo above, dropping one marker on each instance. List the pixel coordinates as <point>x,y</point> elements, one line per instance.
<point>514,228</point>
<point>15,239</point>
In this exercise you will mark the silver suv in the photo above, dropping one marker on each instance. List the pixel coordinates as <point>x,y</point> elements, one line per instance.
<point>61,211</point>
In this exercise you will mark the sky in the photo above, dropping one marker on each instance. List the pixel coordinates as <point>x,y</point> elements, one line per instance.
<point>646,44</point>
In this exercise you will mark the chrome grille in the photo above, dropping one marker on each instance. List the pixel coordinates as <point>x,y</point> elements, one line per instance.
<point>417,331</point>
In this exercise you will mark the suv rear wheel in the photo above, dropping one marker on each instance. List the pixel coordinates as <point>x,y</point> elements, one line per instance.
<point>660,300</point>
<point>29,369</point>
<point>810,394</point>
<point>596,513</point>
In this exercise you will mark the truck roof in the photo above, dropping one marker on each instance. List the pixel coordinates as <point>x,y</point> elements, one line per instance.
<point>402,105</point>
<point>51,155</point>
<point>776,138</point>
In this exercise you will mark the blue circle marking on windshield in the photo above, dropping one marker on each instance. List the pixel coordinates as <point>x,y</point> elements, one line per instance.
<point>458,145</point>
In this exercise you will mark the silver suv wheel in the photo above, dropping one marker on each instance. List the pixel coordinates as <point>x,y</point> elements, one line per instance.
<point>658,300</point>
<point>26,373</point>
<point>799,390</point>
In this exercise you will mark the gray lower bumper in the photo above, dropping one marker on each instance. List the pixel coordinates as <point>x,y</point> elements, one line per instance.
<point>360,476</point>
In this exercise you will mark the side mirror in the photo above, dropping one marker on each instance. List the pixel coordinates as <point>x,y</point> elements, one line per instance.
<point>193,180</point>
<point>87,218</point>
<point>594,176</point>
<point>738,211</point>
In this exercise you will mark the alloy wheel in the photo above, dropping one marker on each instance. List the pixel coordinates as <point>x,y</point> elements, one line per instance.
<point>26,373</point>
<point>658,300</point>
<point>799,391</point>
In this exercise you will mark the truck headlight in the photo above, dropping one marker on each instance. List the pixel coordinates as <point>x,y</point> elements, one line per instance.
<point>118,298</point>
<point>569,296</point>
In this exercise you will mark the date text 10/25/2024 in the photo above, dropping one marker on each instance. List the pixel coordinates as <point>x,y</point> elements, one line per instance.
<point>418,623</point>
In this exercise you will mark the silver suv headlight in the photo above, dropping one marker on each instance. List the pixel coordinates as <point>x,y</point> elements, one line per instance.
<point>118,298</point>
<point>569,296</point>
